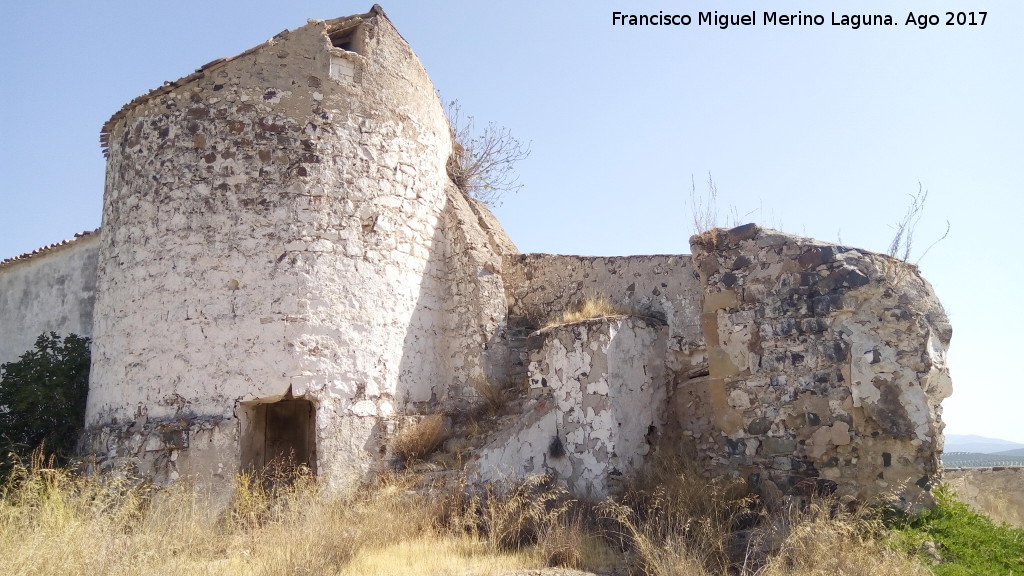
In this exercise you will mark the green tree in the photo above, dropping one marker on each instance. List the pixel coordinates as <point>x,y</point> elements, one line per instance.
<point>42,397</point>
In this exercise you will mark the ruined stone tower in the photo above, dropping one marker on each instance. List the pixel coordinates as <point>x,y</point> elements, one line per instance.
<point>285,269</point>
<point>278,253</point>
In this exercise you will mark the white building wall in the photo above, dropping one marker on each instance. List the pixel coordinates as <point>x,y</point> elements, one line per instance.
<point>53,291</point>
<point>274,230</point>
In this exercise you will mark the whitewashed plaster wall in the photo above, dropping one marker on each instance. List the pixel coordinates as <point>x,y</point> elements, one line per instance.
<point>598,406</point>
<point>53,291</point>
<point>272,228</point>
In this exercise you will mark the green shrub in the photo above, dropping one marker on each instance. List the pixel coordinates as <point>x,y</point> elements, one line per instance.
<point>42,398</point>
<point>956,540</point>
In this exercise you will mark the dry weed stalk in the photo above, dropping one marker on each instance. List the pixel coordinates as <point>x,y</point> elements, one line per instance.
<point>420,438</point>
<point>515,514</point>
<point>493,394</point>
<point>704,210</point>
<point>899,266</point>
<point>674,522</point>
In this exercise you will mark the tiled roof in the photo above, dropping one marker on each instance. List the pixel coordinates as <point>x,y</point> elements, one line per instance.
<point>45,249</point>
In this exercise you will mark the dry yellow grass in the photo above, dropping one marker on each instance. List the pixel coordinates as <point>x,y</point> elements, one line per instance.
<point>419,438</point>
<point>54,522</point>
<point>824,540</point>
<point>493,395</point>
<point>676,523</point>
<point>430,557</point>
<point>596,307</point>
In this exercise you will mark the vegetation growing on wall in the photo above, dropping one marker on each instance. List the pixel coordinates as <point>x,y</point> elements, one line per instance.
<point>42,398</point>
<point>902,243</point>
<point>483,163</point>
<point>592,307</point>
<point>420,438</point>
<point>704,209</point>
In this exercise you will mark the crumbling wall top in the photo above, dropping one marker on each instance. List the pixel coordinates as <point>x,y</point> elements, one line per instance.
<point>332,27</point>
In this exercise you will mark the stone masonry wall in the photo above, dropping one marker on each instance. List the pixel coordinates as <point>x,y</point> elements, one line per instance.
<point>475,345</point>
<point>281,224</point>
<point>827,366</point>
<point>997,492</point>
<point>539,287</point>
<point>53,291</point>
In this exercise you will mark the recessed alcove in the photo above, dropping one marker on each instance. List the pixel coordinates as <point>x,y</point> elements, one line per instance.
<point>281,432</point>
<point>346,37</point>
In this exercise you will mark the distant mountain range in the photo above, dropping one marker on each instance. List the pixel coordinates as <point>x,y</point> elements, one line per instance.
<point>970,451</point>
<point>979,444</point>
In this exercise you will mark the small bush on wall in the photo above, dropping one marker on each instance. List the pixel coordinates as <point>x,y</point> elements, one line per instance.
<point>483,163</point>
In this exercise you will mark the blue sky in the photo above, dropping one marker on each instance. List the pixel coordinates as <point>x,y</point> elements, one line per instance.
<point>822,131</point>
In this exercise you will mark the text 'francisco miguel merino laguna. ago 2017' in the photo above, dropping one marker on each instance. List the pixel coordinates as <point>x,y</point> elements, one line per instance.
<point>855,21</point>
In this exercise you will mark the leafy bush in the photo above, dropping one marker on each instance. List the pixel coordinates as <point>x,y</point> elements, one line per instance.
<point>957,540</point>
<point>42,398</point>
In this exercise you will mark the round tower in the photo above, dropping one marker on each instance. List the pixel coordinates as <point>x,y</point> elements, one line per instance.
<point>272,277</point>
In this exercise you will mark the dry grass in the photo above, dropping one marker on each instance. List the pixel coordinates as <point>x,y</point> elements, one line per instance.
<point>704,210</point>
<point>898,267</point>
<point>676,523</point>
<point>420,438</point>
<point>538,516</point>
<point>431,556</point>
<point>55,522</point>
<point>595,307</point>
<point>825,540</point>
<point>493,394</point>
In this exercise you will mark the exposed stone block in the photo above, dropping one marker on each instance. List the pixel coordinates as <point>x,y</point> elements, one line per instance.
<point>864,343</point>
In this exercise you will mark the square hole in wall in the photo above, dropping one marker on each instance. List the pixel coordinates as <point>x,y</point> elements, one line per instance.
<point>278,432</point>
<point>346,37</point>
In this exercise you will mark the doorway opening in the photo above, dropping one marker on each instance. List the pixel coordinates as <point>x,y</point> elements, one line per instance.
<point>278,433</point>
